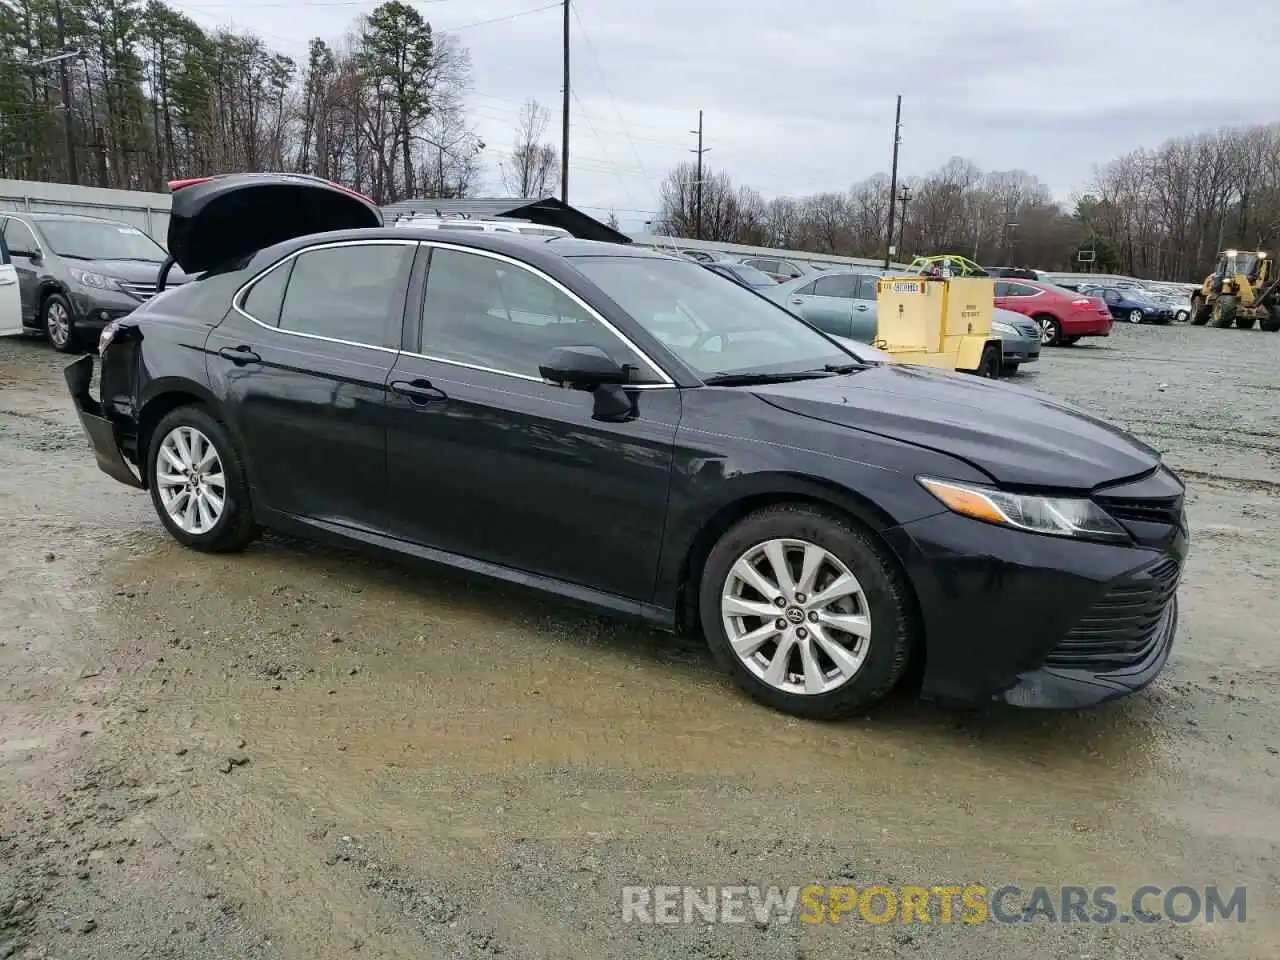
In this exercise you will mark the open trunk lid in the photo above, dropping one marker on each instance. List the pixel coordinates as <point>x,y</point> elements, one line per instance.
<point>218,219</point>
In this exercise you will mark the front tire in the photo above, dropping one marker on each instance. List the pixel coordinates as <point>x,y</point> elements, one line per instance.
<point>1224,312</point>
<point>807,612</point>
<point>1135,316</point>
<point>1009,369</point>
<point>1182,316</point>
<point>1199,312</point>
<point>59,324</point>
<point>198,483</point>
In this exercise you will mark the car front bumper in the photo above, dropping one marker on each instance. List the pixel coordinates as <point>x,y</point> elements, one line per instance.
<point>98,428</point>
<point>94,309</point>
<point>1039,621</point>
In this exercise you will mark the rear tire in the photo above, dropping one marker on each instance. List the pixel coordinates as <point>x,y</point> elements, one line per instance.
<point>1050,331</point>
<point>1244,322</point>
<point>1135,316</point>
<point>190,510</point>
<point>865,667</point>
<point>990,364</point>
<point>1271,325</point>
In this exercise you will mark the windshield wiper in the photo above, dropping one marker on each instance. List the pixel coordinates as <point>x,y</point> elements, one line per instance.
<point>750,379</point>
<point>844,367</point>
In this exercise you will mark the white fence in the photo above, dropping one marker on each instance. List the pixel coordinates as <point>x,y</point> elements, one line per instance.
<point>146,211</point>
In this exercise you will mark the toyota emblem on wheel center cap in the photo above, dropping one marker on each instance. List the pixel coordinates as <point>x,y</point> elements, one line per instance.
<point>795,615</point>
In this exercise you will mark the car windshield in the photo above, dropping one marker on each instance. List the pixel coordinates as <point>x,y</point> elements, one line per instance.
<point>99,240</point>
<point>715,328</point>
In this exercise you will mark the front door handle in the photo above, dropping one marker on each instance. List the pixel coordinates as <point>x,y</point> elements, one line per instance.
<point>797,301</point>
<point>7,281</point>
<point>863,307</point>
<point>239,355</point>
<point>419,392</point>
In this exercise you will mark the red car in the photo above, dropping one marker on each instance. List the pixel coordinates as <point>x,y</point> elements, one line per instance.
<point>1064,316</point>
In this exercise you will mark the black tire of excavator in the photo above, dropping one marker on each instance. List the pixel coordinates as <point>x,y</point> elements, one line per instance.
<point>1200,312</point>
<point>1273,324</point>
<point>1224,311</point>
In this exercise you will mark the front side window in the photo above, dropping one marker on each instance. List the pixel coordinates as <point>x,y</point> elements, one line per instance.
<point>715,328</point>
<point>17,236</point>
<point>490,313</point>
<point>348,293</point>
<point>100,240</point>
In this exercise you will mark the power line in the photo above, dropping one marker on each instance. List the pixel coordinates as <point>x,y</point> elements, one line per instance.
<point>605,80</point>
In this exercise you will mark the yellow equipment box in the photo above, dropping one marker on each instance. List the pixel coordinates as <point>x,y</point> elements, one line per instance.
<point>939,322</point>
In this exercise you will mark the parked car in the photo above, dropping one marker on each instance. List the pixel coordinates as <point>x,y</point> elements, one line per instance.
<point>1014,273</point>
<point>1064,316</point>
<point>76,274</point>
<point>743,274</point>
<point>496,225</point>
<point>619,427</point>
<point>841,304</point>
<point>782,270</point>
<point>1019,339</point>
<point>10,300</point>
<point>1134,304</point>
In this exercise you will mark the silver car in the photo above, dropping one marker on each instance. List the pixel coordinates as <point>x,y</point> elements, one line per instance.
<point>841,304</point>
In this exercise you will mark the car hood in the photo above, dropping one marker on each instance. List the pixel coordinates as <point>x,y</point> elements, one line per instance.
<point>1016,436</point>
<point>215,220</point>
<point>132,271</point>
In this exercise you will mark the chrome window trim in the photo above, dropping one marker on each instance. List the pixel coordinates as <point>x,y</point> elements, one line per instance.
<point>237,304</point>
<point>237,300</point>
<point>591,311</point>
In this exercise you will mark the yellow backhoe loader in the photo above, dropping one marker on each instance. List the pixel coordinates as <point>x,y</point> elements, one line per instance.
<point>1243,289</point>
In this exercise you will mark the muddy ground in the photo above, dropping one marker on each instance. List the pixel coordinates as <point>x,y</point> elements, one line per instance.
<point>295,754</point>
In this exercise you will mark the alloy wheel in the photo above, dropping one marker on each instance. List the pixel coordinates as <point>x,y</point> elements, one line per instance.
<point>190,480</point>
<point>1048,332</point>
<point>1182,316</point>
<point>796,616</point>
<point>57,324</point>
<point>1135,316</point>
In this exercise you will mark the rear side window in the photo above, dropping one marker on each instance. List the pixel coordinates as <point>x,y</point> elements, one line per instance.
<point>842,285</point>
<point>266,297</point>
<point>867,286</point>
<point>349,293</point>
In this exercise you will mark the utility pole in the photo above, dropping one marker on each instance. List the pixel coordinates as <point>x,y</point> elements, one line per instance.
<point>893,178</point>
<point>903,198</point>
<point>564,119</point>
<point>697,203</point>
<point>64,82</point>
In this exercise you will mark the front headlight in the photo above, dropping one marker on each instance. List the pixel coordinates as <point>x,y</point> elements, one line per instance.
<point>1055,516</point>
<point>95,280</point>
<point>1004,329</point>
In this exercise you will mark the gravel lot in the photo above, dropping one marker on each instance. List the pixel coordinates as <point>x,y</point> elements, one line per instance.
<point>296,754</point>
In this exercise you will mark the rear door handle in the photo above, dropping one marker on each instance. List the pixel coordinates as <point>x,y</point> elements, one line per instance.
<point>797,301</point>
<point>239,355</point>
<point>7,281</point>
<point>419,392</point>
<point>863,307</point>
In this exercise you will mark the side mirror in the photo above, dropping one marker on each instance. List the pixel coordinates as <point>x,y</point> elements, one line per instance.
<point>29,254</point>
<point>583,368</point>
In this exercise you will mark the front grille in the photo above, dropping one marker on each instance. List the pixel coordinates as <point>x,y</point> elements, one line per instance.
<point>143,291</point>
<point>1123,626</point>
<point>1166,510</point>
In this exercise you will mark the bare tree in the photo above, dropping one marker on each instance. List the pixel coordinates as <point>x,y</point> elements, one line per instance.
<point>528,169</point>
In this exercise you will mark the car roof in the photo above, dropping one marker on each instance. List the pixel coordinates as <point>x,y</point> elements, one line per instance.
<point>529,248</point>
<point>40,217</point>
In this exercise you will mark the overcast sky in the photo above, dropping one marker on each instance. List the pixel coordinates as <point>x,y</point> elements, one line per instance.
<point>799,94</point>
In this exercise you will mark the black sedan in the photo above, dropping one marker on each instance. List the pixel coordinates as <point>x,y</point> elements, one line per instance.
<point>625,430</point>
